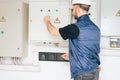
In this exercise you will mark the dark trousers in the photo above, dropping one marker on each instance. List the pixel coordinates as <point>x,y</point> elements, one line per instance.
<point>88,76</point>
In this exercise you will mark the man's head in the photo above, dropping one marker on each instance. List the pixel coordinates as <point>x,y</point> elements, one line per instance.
<point>80,7</point>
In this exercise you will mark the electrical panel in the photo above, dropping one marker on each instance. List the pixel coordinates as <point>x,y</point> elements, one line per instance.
<point>95,12</point>
<point>13,28</point>
<point>59,11</point>
<point>110,18</point>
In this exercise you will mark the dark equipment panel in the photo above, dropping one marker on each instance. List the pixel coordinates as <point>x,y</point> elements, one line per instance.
<point>51,56</point>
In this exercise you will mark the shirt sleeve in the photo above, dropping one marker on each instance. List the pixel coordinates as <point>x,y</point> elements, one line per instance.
<point>69,32</point>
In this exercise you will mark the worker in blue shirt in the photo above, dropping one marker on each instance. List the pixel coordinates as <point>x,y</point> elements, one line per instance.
<point>84,41</point>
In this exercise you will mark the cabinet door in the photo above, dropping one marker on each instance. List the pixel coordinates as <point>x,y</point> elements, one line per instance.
<point>59,12</point>
<point>110,17</point>
<point>10,29</point>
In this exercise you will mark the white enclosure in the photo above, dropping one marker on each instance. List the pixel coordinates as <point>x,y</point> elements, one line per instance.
<point>58,10</point>
<point>13,29</point>
<point>110,17</point>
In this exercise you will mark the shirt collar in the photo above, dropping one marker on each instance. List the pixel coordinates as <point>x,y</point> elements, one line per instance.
<point>83,17</point>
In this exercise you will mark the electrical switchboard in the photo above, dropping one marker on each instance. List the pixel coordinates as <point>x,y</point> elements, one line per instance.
<point>58,10</point>
<point>13,29</point>
<point>110,18</point>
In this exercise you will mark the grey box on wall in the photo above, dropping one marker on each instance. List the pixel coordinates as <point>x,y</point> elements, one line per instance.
<point>13,29</point>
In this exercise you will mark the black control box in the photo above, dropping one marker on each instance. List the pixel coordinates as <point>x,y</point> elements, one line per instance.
<point>51,56</point>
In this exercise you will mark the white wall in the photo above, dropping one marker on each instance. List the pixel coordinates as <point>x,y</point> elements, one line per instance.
<point>50,72</point>
<point>110,64</point>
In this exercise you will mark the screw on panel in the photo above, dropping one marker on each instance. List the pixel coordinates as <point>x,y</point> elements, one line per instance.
<point>56,10</point>
<point>2,32</point>
<point>30,20</point>
<point>44,42</point>
<point>18,48</point>
<point>18,10</point>
<point>48,10</point>
<point>41,10</point>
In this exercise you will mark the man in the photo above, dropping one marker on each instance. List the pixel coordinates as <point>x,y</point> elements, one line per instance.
<point>84,41</point>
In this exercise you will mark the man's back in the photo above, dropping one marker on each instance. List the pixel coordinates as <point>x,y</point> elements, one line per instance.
<point>85,48</point>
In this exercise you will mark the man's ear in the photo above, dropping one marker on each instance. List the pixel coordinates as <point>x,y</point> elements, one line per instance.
<point>78,8</point>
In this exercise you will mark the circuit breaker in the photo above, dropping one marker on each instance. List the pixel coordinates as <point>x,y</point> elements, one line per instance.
<point>58,10</point>
<point>13,29</point>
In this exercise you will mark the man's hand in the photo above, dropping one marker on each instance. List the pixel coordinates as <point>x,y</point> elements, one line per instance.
<point>47,19</point>
<point>65,56</point>
<point>99,68</point>
<point>52,29</point>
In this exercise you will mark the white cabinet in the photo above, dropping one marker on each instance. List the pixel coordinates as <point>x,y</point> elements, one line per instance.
<point>59,11</point>
<point>110,17</point>
<point>13,29</point>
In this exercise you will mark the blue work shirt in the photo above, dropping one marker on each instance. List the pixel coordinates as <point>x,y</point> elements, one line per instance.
<point>84,50</point>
